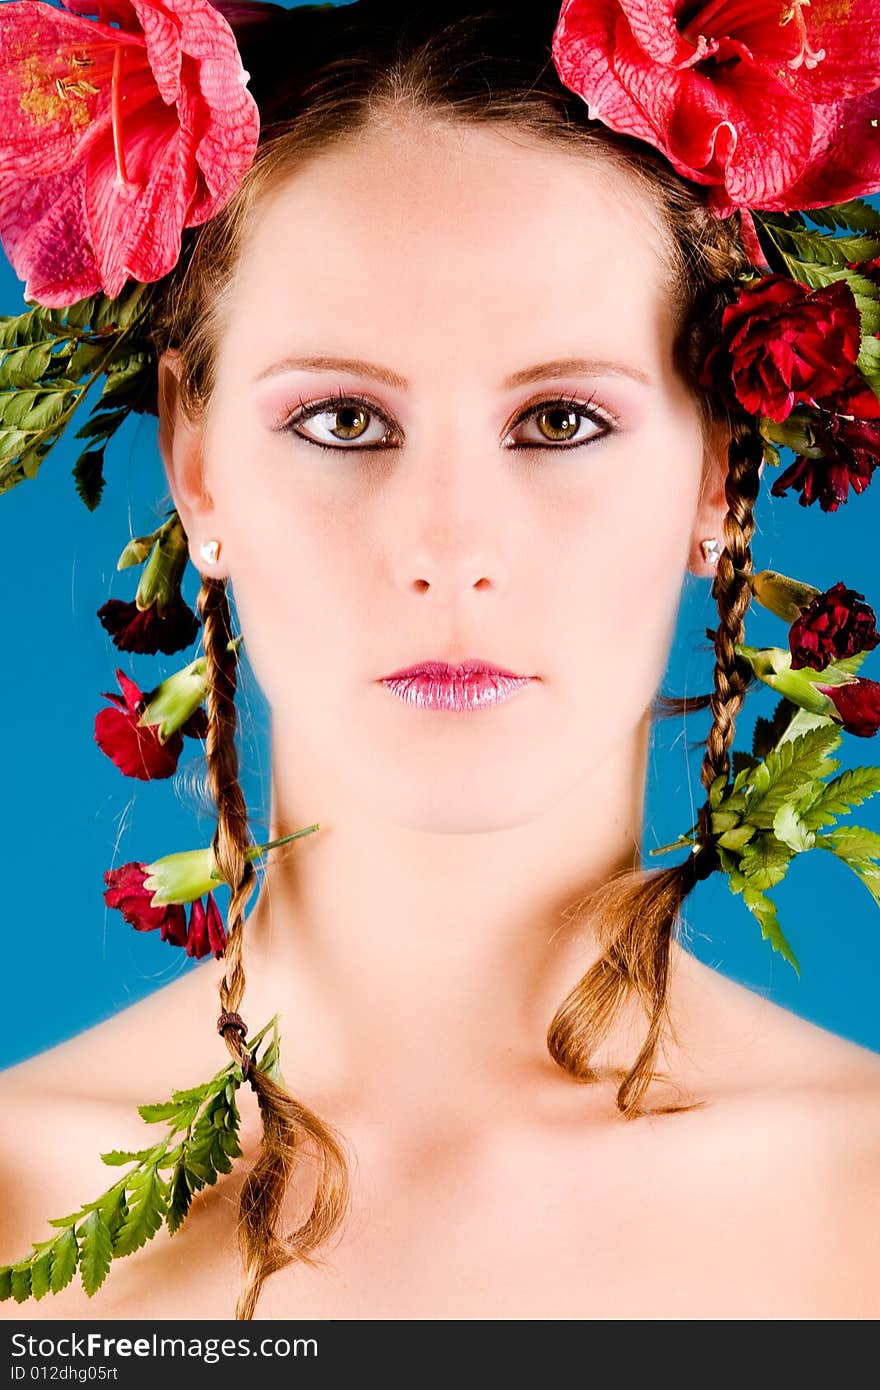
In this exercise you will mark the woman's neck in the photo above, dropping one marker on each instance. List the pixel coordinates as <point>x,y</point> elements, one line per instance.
<point>393,954</point>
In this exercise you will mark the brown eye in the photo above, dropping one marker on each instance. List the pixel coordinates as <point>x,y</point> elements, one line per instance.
<point>351,421</point>
<point>339,423</point>
<point>564,423</point>
<point>557,424</point>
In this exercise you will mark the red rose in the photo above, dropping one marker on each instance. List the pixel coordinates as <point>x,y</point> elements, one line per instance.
<point>835,625</point>
<point>151,629</point>
<point>784,345</point>
<point>770,105</point>
<point>115,138</point>
<point>858,705</point>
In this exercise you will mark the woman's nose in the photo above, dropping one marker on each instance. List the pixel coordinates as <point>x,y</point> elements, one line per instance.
<point>448,521</point>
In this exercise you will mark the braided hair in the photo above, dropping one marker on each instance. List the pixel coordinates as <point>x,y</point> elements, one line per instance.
<point>319,76</point>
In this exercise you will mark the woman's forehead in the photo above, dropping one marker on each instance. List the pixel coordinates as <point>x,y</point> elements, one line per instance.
<point>451,224</point>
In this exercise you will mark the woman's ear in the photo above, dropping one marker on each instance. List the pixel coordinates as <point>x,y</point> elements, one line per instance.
<point>712,508</point>
<point>181,445</point>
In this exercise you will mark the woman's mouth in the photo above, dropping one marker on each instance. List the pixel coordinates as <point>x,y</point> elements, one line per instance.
<point>443,685</point>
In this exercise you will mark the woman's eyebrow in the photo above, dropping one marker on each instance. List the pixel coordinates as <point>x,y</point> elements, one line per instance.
<point>321,362</point>
<point>586,366</point>
<point>560,366</point>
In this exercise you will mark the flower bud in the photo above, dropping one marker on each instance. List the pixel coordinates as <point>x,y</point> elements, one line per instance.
<point>785,597</point>
<point>772,665</point>
<point>170,705</point>
<point>160,581</point>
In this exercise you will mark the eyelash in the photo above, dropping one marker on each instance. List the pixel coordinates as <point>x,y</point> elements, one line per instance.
<point>569,403</point>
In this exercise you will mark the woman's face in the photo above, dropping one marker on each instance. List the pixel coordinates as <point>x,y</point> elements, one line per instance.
<point>448,283</point>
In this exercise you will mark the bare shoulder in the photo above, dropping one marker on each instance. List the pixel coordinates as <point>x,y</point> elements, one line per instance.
<point>799,1106</point>
<point>65,1107</point>
<point>744,1041</point>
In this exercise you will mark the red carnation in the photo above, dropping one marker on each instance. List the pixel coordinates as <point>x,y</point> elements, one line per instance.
<point>125,890</point>
<point>858,705</point>
<point>846,429</point>
<point>834,626</point>
<point>151,629</point>
<point>206,932</point>
<point>115,138</point>
<point>784,345</point>
<point>768,105</point>
<point>137,749</point>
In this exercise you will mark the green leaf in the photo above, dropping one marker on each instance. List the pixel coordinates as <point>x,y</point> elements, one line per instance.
<point>146,1210</point>
<point>765,862</point>
<point>768,732</point>
<point>840,795</point>
<point>41,1274</point>
<point>848,666</point>
<point>112,1207</point>
<point>853,216</point>
<point>21,1282</point>
<point>741,763</point>
<point>117,1157</point>
<point>868,362</point>
<point>5,1282</point>
<point>65,1253</point>
<point>180,1197</point>
<point>717,790</point>
<point>95,1251</point>
<point>789,770</point>
<point>764,909</point>
<point>854,842</point>
<point>791,830</point>
<point>164,1110</point>
<point>810,247</point>
<point>737,838</point>
<point>101,423</point>
<point>88,473</point>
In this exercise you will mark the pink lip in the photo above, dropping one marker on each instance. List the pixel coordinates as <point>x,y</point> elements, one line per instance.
<point>467,685</point>
<point>446,670</point>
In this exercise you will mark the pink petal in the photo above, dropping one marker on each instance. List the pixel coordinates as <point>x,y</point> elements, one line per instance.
<point>773,133</point>
<point>653,26</point>
<point>136,229</point>
<point>44,132</point>
<point>162,36</point>
<point>227,132</point>
<point>44,235</point>
<point>845,156</point>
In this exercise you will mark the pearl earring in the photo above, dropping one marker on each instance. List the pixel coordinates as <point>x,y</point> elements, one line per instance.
<point>711,550</point>
<point>209,550</point>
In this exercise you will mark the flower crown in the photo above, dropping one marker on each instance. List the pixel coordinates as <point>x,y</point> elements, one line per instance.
<point>124,129</point>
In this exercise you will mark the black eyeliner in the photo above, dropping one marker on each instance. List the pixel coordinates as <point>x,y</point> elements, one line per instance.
<point>570,403</point>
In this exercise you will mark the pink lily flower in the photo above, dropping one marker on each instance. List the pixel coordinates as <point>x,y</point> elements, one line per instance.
<point>769,105</point>
<point>115,138</point>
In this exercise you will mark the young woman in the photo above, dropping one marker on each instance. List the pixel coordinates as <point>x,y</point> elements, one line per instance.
<point>431,380</point>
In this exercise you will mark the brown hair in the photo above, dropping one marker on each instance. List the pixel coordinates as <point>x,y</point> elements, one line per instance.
<point>320,76</point>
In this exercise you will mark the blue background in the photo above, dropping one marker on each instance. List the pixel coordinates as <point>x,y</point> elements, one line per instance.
<point>70,814</point>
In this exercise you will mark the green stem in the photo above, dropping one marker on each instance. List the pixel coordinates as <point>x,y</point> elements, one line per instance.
<point>273,844</point>
<point>683,843</point>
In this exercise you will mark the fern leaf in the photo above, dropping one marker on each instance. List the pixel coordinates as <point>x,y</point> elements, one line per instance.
<point>764,909</point>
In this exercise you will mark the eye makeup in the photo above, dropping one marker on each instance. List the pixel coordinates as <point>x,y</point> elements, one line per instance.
<point>393,437</point>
